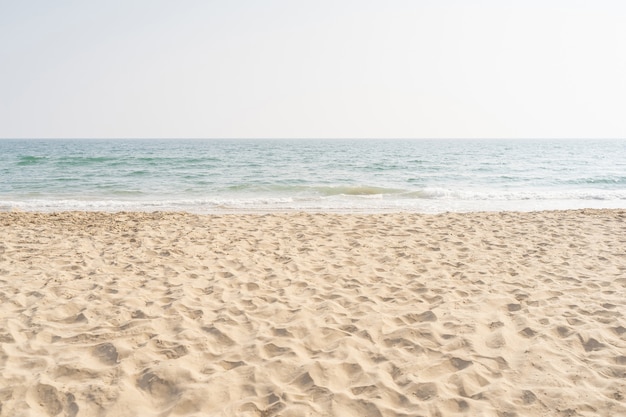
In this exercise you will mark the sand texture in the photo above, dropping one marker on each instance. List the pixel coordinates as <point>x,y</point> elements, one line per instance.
<point>159,314</point>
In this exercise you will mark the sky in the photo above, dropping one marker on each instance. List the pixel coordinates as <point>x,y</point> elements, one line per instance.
<point>313,69</point>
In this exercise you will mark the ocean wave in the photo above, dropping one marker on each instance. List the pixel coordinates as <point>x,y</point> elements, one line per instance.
<point>315,190</point>
<point>493,194</point>
<point>72,161</point>
<point>355,190</point>
<point>611,180</point>
<point>31,160</point>
<point>428,200</point>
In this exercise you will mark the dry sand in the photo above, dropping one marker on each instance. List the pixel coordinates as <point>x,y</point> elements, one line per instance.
<point>131,314</point>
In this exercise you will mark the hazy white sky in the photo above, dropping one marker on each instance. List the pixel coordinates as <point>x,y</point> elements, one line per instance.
<point>315,69</point>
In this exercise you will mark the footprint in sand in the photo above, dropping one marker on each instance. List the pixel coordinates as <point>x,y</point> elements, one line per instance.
<point>106,353</point>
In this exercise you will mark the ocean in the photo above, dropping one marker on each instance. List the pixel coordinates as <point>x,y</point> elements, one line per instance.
<point>221,176</point>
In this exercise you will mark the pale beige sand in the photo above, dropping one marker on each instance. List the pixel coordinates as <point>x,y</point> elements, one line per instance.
<point>502,314</point>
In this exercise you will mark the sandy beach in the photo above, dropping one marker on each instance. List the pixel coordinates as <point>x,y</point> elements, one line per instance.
<point>170,314</point>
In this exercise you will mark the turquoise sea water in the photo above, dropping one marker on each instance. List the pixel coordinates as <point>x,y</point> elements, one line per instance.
<point>206,176</point>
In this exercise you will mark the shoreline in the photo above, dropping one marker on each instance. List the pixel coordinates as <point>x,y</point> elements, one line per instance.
<point>427,208</point>
<point>322,212</point>
<point>150,313</point>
